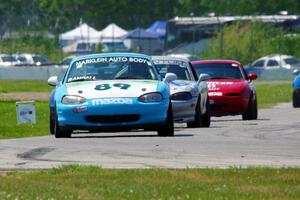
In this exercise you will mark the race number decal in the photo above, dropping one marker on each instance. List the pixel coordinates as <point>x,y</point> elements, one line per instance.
<point>122,86</point>
<point>102,87</point>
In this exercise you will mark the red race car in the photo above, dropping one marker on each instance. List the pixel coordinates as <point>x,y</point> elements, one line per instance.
<point>230,89</point>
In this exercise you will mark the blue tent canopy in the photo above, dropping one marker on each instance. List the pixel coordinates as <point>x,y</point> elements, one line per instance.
<point>158,27</point>
<point>140,33</point>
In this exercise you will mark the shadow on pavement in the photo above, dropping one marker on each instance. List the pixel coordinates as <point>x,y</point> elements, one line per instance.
<point>113,135</point>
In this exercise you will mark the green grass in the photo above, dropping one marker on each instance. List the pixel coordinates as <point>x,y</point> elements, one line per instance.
<point>270,95</point>
<point>8,121</point>
<point>24,86</point>
<point>78,182</point>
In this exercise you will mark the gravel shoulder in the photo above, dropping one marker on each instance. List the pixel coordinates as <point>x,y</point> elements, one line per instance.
<point>25,96</point>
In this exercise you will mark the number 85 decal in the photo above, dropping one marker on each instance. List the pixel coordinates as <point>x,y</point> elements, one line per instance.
<point>122,86</point>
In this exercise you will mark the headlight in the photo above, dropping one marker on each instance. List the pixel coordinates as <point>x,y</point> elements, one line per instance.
<point>181,96</point>
<point>151,97</point>
<point>73,100</point>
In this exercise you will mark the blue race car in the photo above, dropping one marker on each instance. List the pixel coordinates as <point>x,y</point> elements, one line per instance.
<point>111,92</point>
<point>296,89</point>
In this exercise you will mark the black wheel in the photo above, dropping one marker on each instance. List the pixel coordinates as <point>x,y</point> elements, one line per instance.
<point>58,132</point>
<point>205,119</point>
<point>197,120</point>
<point>251,112</point>
<point>168,128</point>
<point>296,99</point>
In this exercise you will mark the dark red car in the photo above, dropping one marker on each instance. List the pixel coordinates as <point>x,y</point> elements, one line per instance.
<point>230,89</point>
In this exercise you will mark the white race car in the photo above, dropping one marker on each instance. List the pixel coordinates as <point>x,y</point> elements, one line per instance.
<point>189,93</point>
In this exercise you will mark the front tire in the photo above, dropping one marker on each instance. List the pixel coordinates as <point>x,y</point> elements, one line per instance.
<point>197,119</point>
<point>168,128</point>
<point>251,112</point>
<point>58,132</point>
<point>205,119</point>
<point>296,99</point>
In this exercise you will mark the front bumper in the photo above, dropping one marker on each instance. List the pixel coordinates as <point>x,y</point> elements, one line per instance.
<point>225,105</point>
<point>91,116</point>
<point>184,111</point>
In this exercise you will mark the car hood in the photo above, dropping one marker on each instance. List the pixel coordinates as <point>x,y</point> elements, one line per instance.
<point>111,88</point>
<point>182,86</point>
<point>226,85</point>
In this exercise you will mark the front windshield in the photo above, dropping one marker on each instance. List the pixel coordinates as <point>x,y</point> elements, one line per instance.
<point>219,70</point>
<point>108,68</point>
<point>179,68</point>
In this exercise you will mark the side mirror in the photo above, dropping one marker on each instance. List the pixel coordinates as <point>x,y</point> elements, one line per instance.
<point>252,76</point>
<point>203,77</point>
<point>53,80</point>
<point>169,77</point>
<point>296,72</point>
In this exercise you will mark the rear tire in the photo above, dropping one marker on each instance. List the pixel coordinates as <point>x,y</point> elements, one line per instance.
<point>251,112</point>
<point>296,99</point>
<point>168,128</point>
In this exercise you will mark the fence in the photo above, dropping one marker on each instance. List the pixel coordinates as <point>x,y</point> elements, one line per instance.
<point>30,73</point>
<point>43,73</point>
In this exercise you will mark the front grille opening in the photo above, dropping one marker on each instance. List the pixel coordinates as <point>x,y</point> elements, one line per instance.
<point>232,94</point>
<point>216,107</point>
<point>112,118</point>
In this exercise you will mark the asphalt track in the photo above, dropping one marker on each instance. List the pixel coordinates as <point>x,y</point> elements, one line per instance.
<point>272,140</point>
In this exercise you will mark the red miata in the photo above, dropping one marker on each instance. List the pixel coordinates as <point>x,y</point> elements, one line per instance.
<point>230,89</point>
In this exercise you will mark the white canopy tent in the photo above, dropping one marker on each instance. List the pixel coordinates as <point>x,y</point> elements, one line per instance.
<point>112,33</point>
<point>82,32</point>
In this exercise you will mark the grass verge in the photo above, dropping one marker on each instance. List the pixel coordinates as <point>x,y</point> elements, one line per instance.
<point>89,182</point>
<point>270,95</point>
<point>8,121</point>
<point>24,86</point>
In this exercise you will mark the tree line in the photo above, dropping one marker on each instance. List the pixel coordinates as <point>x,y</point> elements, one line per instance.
<point>58,16</point>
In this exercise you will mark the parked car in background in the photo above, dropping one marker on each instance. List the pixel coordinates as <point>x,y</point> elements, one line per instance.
<point>296,89</point>
<point>111,91</point>
<point>189,94</point>
<point>26,59</point>
<point>276,61</point>
<point>7,60</point>
<point>230,89</point>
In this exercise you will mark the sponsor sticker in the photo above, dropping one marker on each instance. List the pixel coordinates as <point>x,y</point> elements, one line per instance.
<point>215,94</point>
<point>111,59</point>
<point>171,62</point>
<point>105,101</point>
<point>81,78</point>
<point>213,86</point>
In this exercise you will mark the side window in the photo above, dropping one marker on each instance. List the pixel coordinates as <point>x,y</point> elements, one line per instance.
<point>259,63</point>
<point>272,63</point>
